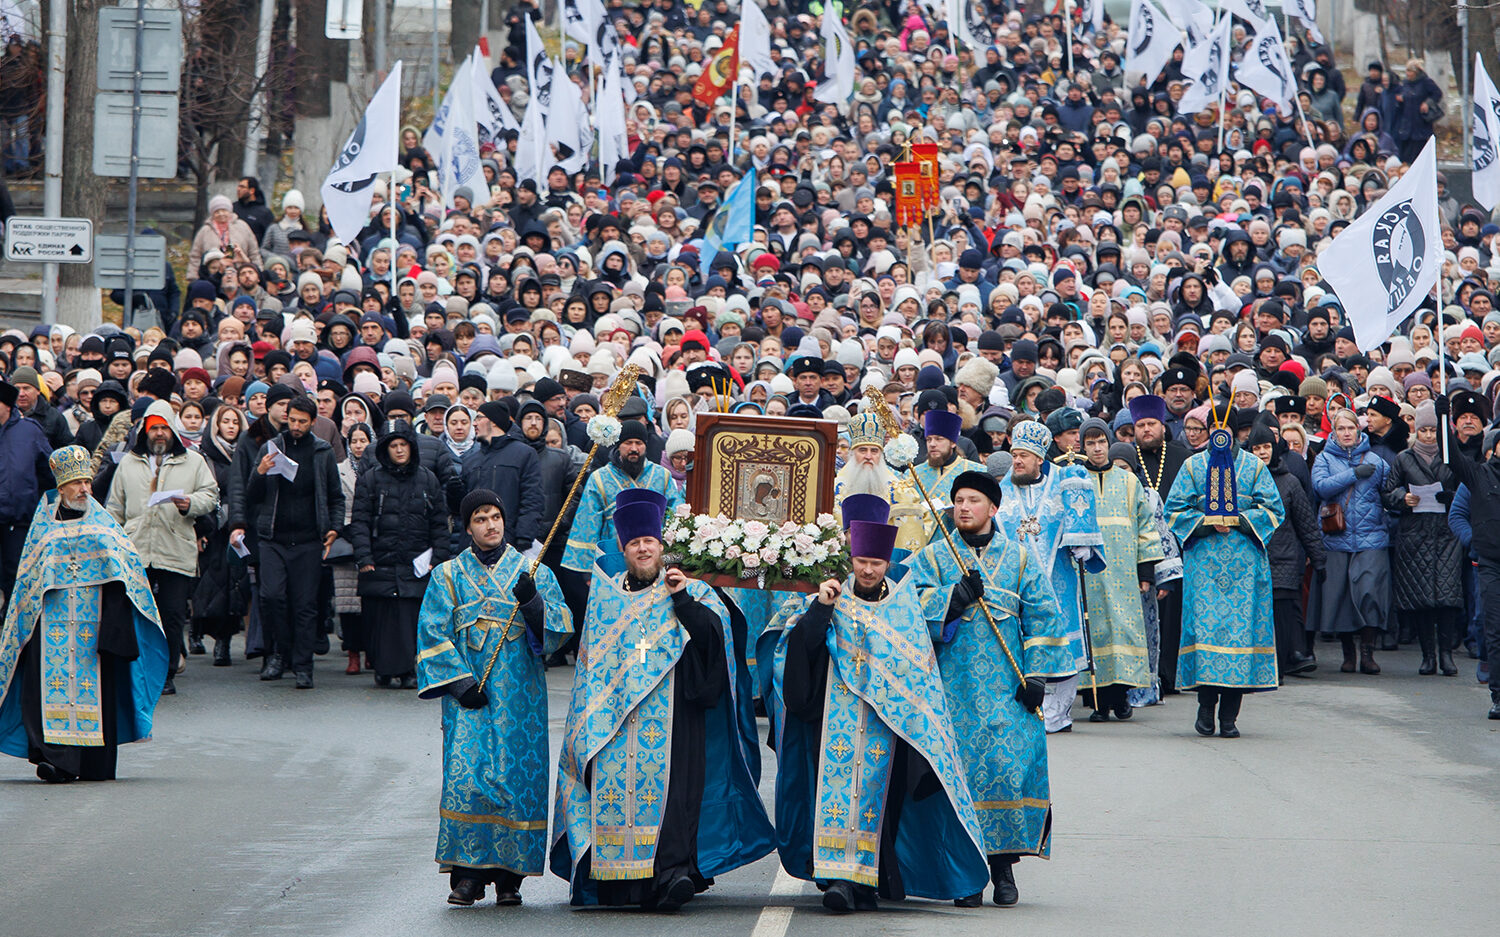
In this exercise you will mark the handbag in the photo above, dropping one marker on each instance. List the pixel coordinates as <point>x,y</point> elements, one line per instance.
<point>1331,515</point>
<point>340,551</point>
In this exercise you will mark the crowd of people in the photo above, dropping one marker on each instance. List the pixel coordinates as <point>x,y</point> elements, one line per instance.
<point>1116,311</point>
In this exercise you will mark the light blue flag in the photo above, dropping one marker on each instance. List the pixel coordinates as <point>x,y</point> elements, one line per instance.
<point>732,224</point>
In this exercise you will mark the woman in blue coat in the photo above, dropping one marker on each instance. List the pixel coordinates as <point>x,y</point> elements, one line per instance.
<point>1355,590</point>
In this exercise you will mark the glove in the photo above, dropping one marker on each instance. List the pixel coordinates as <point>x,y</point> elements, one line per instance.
<point>1444,497</point>
<point>1030,693</point>
<point>1321,575</point>
<point>525,588</point>
<point>474,698</point>
<point>1364,470</point>
<point>1440,405</point>
<point>969,590</point>
<point>523,543</point>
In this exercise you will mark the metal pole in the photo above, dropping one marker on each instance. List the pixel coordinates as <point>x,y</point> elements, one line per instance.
<point>381,27</point>
<point>57,61</point>
<point>135,159</point>
<point>436,98</point>
<point>1465,90</point>
<point>255,131</point>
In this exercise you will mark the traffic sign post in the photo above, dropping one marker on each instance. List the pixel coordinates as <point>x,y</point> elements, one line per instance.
<point>49,240</point>
<point>140,259</point>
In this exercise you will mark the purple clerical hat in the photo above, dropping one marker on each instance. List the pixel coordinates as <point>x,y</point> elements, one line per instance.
<point>863,507</point>
<point>942,423</point>
<point>1148,407</point>
<point>639,513</point>
<point>871,540</point>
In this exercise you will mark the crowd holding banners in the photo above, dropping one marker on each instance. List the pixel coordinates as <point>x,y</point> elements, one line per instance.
<point>1171,447</point>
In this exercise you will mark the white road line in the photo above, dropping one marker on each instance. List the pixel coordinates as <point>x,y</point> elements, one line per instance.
<point>775,919</point>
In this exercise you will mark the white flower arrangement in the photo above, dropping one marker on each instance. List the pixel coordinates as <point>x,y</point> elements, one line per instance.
<point>705,545</point>
<point>901,450</point>
<point>604,430</point>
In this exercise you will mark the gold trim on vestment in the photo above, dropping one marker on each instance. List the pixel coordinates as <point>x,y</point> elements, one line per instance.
<point>1216,649</point>
<point>440,648</point>
<point>493,819</point>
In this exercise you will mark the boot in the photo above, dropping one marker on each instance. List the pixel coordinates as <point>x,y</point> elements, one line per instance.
<point>1495,704</point>
<point>1003,874</point>
<point>1229,712</point>
<point>274,667</point>
<point>1445,663</point>
<point>353,667</point>
<point>1367,663</point>
<point>1348,666</point>
<point>221,652</point>
<point>1446,633</point>
<point>304,679</point>
<point>1427,637</point>
<point>839,898</point>
<point>1204,724</point>
<point>168,689</point>
<point>466,892</point>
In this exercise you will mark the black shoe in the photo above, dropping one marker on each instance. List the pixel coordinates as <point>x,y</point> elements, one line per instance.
<point>382,681</point>
<point>1099,715</point>
<point>507,897</point>
<point>558,659</point>
<point>168,689</point>
<point>1124,710</point>
<point>1446,665</point>
<point>1006,893</point>
<point>973,901</point>
<point>195,646</point>
<point>1227,730</point>
<point>1205,721</point>
<point>273,668</point>
<point>409,681</point>
<point>320,643</point>
<point>1428,666</point>
<point>221,653</point>
<point>52,774</point>
<point>1300,664</point>
<point>678,892</point>
<point>839,898</point>
<point>1494,709</point>
<point>304,680</point>
<point>466,892</point>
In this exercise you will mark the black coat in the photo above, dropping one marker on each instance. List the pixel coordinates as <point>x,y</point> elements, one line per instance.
<point>436,456</point>
<point>1427,560</point>
<point>507,466</point>
<point>558,471</point>
<point>398,513</point>
<point>1299,538</point>
<point>223,587</point>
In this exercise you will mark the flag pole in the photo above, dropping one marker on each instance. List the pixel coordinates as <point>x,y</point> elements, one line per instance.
<point>734,100</point>
<point>395,198</point>
<point>1297,100</point>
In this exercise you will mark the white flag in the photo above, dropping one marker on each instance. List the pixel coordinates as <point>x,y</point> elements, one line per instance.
<point>958,23</point>
<point>1266,69</point>
<point>533,157</point>
<point>371,149</point>
<point>1093,13</point>
<point>568,122</point>
<point>460,165</point>
<point>1384,264</point>
<point>490,110</point>
<point>1307,14</point>
<point>432,139</point>
<point>581,19</point>
<point>1486,148</point>
<point>1191,17</point>
<point>1253,12</point>
<point>838,60</point>
<point>755,39</point>
<point>614,139</point>
<point>1212,77</point>
<point>605,47</point>
<point>1150,41</point>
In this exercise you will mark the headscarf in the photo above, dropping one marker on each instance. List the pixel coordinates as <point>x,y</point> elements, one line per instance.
<point>458,448</point>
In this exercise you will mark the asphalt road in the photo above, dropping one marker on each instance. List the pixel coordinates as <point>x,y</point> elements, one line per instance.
<point>1352,805</point>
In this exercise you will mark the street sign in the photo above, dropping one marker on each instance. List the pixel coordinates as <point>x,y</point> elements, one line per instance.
<point>49,240</point>
<point>161,50</point>
<point>150,262</point>
<point>158,135</point>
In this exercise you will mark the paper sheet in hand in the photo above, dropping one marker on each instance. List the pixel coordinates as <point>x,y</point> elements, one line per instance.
<point>239,548</point>
<point>281,464</point>
<point>422,564</point>
<point>115,455</point>
<point>162,497</point>
<point>1427,502</point>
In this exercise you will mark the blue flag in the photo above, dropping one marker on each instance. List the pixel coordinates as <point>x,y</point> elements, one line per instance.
<point>732,224</point>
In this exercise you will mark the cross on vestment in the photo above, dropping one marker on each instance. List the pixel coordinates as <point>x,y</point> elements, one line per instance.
<point>75,567</point>
<point>643,646</point>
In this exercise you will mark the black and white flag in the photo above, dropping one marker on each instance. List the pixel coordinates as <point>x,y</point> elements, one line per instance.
<point>1306,12</point>
<point>1211,77</point>
<point>370,151</point>
<point>1485,152</point>
<point>1385,263</point>
<point>1266,69</point>
<point>1150,41</point>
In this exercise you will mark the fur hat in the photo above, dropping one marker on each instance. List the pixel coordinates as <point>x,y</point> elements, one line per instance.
<point>979,375</point>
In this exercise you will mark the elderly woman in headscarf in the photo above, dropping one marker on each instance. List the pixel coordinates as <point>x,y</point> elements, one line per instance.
<point>224,232</point>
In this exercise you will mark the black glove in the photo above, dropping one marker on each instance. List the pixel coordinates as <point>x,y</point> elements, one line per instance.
<point>969,590</point>
<point>1364,470</point>
<point>524,543</point>
<point>1030,693</point>
<point>1444,497</point>
<point>1440,405</point>
<point>474,698</point>
<point>525,588</point>
<point>1321,575</point>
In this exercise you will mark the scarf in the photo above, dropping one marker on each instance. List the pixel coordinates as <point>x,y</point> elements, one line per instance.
<point>1426,451</point>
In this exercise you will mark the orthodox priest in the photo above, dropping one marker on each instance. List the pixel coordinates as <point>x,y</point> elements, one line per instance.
<point>640,819</point>
<point>1049,509</point>
<point>1224,507</point>
<point>941,431</point>
<point>1000,734</point>
<point>871,798</point>
<point>83,656</point>
<point>1157,462</point>
<point>1132,548</point>
<point>484,626</point>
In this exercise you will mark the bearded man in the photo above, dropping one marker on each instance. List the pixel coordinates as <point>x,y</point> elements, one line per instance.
<point>1157,462</point>
<point>82,652</point>
<point>866,472</point>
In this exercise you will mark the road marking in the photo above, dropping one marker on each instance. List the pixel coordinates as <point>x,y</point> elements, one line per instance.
<point>775,919</point>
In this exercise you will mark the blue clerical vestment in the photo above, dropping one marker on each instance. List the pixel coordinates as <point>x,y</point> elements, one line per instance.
<point>615,770</point>
<point>1055,519</point>
<point>593,529</point>
<point>1228,633</point>
<point>493,813</point>
<point>64,566</point>
<point>1003,747</point>
<point>833,779</point>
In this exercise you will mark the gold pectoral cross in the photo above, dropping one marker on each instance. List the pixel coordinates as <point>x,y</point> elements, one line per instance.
<point>859,661</point>
<point>643,646</point>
